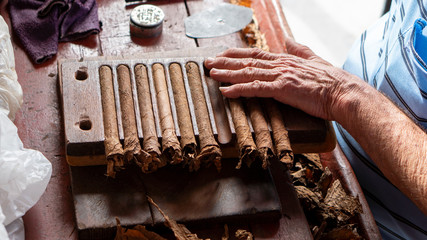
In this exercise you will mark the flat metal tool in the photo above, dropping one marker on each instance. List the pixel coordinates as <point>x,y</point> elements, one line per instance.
<point>218,21</point>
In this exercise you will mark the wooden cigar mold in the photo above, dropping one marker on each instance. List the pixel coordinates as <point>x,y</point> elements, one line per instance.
<point>201,196</point>
<point>83,113</point>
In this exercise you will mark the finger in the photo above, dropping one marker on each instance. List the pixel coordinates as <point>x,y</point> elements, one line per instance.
<point>298,49</point>
<point>251,89</point>
<point>248,74</point>
<point>248,53</point>
<point>302,51</point>
<point>236,63</point>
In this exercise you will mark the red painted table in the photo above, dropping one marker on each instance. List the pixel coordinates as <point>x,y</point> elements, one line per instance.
<point>40,123</point>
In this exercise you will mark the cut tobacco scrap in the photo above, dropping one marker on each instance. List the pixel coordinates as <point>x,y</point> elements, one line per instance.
<point>251,33</point>
<point>343,205</point>
<point>328,208</point>
<point>137,233</point>
<point>348,231</point>
<point>244,235</point>
<point>240,234</point>
<point>226,235</point>
<point>179,230</point>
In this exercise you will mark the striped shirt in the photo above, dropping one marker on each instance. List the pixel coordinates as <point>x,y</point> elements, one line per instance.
<point>391,56</point>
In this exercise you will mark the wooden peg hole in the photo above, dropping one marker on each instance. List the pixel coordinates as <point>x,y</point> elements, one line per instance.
<point>81,74</point>
<point>85,124</point>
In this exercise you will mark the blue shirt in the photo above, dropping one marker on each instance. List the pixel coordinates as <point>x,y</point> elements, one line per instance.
<point>391,56</point>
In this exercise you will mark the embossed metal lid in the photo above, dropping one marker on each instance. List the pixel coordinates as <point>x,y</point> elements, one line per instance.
<point>146,20</point>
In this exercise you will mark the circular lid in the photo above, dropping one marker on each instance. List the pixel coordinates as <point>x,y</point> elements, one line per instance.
<point>147,15</point>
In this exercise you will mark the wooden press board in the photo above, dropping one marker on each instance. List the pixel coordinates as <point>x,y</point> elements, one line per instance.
<point>199,197</point>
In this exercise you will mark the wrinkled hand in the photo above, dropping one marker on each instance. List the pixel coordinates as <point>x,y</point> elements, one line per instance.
<point>300,79</point>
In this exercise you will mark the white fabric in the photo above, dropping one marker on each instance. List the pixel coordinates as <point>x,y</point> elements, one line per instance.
<point>24,173</point>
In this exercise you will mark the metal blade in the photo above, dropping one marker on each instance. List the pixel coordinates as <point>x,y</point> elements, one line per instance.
<point>218,21</point>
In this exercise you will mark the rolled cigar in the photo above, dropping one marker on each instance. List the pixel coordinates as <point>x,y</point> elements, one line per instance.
<point>280,134</point>
<point>132,146</point>
<point>112,145</point>
<point>150,144</point>
<point>245,142</point>
<point>262,133</point>
<point>170,145</point>
<point>188,140</point>
<point>209,148</point>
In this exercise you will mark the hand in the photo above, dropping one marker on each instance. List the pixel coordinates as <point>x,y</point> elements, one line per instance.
<point>300,79</point>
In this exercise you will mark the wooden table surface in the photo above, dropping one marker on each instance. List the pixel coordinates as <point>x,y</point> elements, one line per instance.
<point>40,123</point>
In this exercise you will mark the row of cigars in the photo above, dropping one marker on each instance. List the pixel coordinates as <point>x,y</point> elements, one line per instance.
<point>155,152</point>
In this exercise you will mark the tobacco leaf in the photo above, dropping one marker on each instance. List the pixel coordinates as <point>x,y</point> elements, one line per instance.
<point>226,235</point>
<point>137,233</point>
<point>345,206</point>
<point>347,232</point>
<point>242,234</point>
<point>327,206</point>
<point>325,181</point>
<point>179,230</point>
<point>309,200</point>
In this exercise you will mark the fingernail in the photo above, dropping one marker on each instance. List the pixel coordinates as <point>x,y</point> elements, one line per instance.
<point>222,89</point>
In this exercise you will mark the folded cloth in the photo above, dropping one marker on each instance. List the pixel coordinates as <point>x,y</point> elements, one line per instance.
<point>40,25</point>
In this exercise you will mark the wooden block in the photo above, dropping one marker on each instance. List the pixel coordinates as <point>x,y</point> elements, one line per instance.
<point>203,197</point>
<point>233,194</point>
<point>98,200</point>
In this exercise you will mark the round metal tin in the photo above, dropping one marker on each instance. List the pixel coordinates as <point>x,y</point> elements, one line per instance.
<point>146,21</point>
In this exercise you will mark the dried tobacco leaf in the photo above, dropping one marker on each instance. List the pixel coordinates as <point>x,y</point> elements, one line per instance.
<point>179,230</point>
<point>345,206</point>
<point>137,233</point>
<point>347,232</point>
<point>226,235</point>
<point>244,235</point>
<point>327,206</point>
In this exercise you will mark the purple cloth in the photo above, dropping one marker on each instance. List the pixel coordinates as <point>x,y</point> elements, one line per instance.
<point>40,25</point>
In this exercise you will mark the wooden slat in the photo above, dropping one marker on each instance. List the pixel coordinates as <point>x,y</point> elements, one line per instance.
<point>341,169</point>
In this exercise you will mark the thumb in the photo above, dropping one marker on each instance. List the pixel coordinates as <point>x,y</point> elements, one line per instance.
<point>251,89</point>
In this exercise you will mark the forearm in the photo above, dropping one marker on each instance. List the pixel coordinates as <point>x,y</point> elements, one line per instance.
<point>392,140</point>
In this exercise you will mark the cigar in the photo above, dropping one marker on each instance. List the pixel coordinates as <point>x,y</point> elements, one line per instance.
<point>150,144</point>
<point>170,145</point>
<point>245,142</point>
<point>132,147</point>
<point>188,140</point>
<point>280,134</point>
<point>112,145</point>
<point>262,134</point>
<point>209,148</point>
